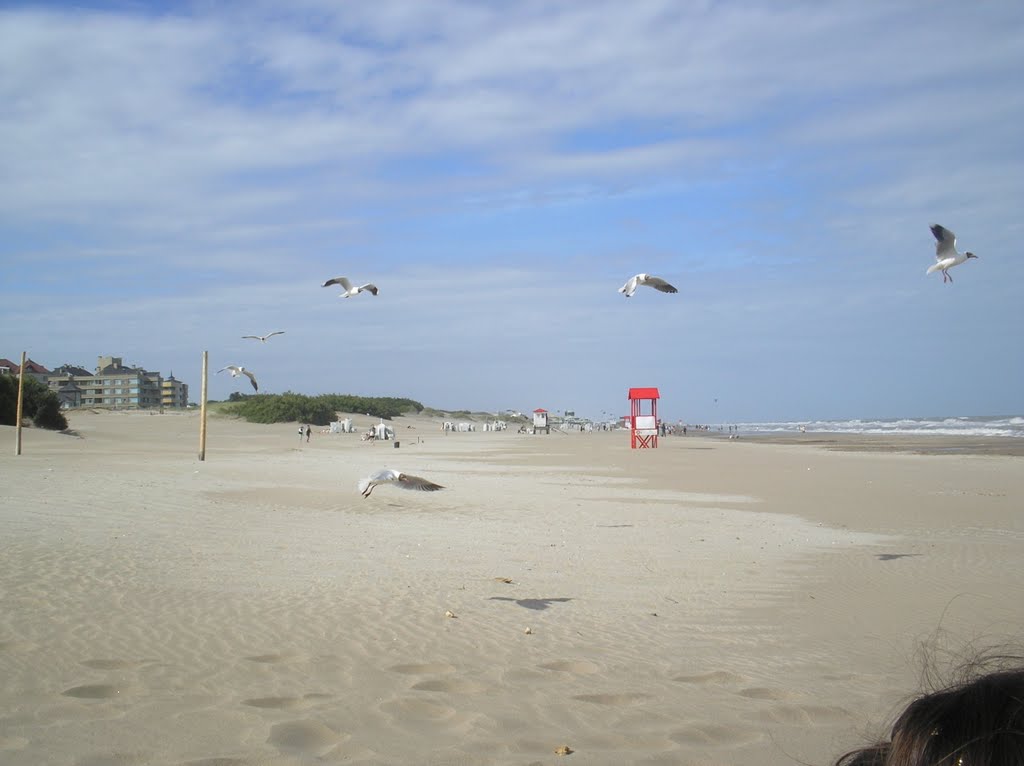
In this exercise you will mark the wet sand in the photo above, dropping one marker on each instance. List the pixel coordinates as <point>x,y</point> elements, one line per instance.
<point>939,444</point>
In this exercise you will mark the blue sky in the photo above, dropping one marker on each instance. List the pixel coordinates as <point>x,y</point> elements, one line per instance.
<point>174,176</point>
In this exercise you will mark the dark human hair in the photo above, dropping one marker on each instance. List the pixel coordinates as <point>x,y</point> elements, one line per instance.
<point>977,721</point>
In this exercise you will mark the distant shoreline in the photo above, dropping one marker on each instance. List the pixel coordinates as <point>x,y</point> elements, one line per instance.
<point>938,444</point>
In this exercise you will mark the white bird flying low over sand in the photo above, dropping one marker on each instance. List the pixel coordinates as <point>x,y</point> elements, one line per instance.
<point>350,290</point>
<point>263,338</point>
<point>399,479</point>
<point>646,280</point>
<point>235,371</point>
<point>946,256</point>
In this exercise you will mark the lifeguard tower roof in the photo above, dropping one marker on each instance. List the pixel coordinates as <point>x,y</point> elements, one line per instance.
<point>644,393</point>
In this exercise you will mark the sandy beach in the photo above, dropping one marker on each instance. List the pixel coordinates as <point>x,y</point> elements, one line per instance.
<point>713,602</point>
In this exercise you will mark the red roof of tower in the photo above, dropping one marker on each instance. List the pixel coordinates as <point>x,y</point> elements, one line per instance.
<point>644,393</point>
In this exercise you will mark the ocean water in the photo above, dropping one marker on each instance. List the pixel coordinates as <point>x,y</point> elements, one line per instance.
<point>967,425</point>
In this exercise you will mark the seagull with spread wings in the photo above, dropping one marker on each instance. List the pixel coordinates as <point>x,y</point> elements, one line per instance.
<point>646,280</point>
<point>349,288</point>
<point>398,479</point>
<point>235,371</point>
<point>263,338</point>
<point>946,256</point>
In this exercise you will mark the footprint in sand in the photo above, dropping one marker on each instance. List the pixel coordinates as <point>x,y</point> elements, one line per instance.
<point>94,691</point>
<point>839,677</point>
<point>418,709</point>
<point>715,734</point>
<point>714,677</point>
<point>577,667</point>
<point>115,759</point>
<point>450,686</point>
<point>275,703</point>
<point>624,698</point>
<point>12,743</point>
<point>304,737</point>
<point>15,646</point>
<point>764,693</point>
<point>423,669</point>
<point>270,659</point>
<point>114,664</point>
<point>219,762</point>
<point>803,715</point>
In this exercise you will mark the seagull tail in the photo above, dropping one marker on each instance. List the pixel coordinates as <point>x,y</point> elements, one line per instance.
<point>364,484</point>
<point>933,268</point>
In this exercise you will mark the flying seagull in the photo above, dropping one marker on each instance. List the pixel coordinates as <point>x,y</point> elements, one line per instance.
<point>263,338</point>
<point>646,279</point>
<point>946,256</point>
<point>235,371</point>
<point>348,287</point>
<point>399,479</point>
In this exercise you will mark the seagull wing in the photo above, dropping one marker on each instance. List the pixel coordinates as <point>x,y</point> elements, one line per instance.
<point>384,476</point>
<point>405,481</point>
<point>276,332</point>
<point>252,379</point>
<point>370,287</point>
<point>945,241</point>
<point>230,368</point>
<point>630,287</point>
<point>343,281</point>
<point>660,284</point>
<point>254,337</point>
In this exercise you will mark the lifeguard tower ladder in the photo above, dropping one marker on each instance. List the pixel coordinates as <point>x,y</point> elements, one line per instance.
<point>643,429</point>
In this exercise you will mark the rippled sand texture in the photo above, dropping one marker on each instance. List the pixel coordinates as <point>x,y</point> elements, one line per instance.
<point>712,602</point>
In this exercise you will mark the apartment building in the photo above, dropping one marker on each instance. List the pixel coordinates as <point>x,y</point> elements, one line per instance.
<point>173,393</point>
<point>111,386</point>
<point>32,369</point>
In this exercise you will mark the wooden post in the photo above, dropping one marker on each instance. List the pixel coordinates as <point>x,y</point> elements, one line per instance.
<point>17,412</point>
<point>202,413</point>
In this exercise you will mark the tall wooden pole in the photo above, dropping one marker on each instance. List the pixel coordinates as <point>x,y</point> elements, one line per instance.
<point>21,399</point>
<point>202,413</point>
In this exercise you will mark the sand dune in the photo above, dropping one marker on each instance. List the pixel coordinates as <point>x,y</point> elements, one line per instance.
<point>710,602</point>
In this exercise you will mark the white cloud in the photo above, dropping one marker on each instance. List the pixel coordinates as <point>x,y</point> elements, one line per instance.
<point>174,162</point>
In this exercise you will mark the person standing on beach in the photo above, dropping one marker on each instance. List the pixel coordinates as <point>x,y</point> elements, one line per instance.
<point>308,432</point>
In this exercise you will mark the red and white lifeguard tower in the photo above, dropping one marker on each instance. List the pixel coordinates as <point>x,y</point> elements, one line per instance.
<point>540,421</point>
<point>643,428</point>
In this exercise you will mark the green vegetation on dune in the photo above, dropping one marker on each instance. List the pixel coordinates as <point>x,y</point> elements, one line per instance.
<point>471,415</point>
<point>316,410</point>
<point>38,403</point>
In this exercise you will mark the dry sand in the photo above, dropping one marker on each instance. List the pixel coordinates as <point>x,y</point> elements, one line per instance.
<point>711,602</point>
